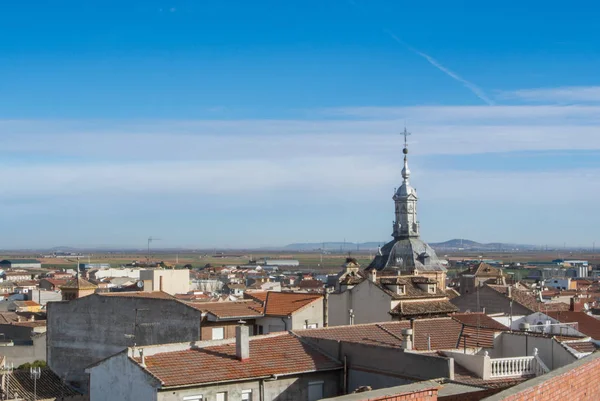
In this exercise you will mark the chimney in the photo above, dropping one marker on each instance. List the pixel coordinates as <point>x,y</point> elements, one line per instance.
<point>160,283</point>
<point>242,342</point>
<point>407,339</point>
<point>373,275</point>
<point>19,319</point>
<point>143,359</point>
<point>32,318</point>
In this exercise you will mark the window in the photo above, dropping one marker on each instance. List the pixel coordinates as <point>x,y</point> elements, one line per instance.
<point>218,333</point>
<point>221,396</point>
<point>315,391</point>
<point>193,398</point>
<point>246,395</point>
<point>311,325</point>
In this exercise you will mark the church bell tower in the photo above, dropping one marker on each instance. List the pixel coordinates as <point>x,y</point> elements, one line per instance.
<point>406,224</point>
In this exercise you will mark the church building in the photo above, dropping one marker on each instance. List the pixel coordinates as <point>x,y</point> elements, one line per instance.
<point>405,280</point>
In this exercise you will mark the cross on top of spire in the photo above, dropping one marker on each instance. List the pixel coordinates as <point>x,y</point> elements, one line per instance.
<point>406,135</point>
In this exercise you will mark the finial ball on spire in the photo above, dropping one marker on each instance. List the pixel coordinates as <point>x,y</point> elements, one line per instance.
<point>405,151</point>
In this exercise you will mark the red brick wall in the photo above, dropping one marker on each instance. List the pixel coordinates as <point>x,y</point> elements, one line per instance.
<point>580,383</point>
<point>425,395</point>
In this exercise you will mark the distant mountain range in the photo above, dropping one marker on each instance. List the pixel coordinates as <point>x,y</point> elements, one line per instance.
<point>453,244</point>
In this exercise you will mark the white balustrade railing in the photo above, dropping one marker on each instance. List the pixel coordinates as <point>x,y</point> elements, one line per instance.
<point>518,367</point>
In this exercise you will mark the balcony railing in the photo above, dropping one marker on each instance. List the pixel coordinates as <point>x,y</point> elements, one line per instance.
<point>518,367</point>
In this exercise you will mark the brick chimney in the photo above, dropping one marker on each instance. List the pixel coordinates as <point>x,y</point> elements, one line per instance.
<point>575,304</point>
<point>242,342</point>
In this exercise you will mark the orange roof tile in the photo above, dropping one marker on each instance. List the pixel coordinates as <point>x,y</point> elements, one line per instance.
<point>479,319</point>
<point>586,324</point>
<point>437,333</point>
<point>269,355</point>
<point>286,303</point>
<point>229,310</point>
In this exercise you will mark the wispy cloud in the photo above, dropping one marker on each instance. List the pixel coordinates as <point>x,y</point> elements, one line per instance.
<point>561,95</point>
<point>477,91</point>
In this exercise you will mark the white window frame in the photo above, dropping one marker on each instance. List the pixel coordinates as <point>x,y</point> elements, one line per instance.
<point>247,393</point>
<point>224,393</point>
<point>193,398</point>
<point>222,333</point>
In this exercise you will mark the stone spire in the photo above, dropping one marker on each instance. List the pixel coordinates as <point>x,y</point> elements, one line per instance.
<point>405,200</point>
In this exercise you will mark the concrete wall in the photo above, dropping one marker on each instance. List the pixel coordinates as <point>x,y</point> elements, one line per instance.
<point>553,354</point>
<point>293,388</point>
<point>367,301</point>
<point>274,324</point>
<point>491,300</point>
<point>381,367</point>
<point>112,272</point>
<point>312,313</point>
<point>480,365</point>
<point>86,330</point>
<point>20,354</point>
<point>339,304</point>
<point>119,379</point>
<point>43,297</point>
<point>173,281</point>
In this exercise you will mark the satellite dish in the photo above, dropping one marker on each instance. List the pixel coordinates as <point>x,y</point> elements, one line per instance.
<point>140,284</point>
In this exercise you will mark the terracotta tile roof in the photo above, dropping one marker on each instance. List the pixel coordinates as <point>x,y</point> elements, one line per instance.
<point>56,282</point>
<point>483,270</point>
<point>230,310</point>
<point>269,355</point>
<point>48,387</point>
<point>312,284</point>
<point>528,300</point>
<point>35,323</point>
<point>441,333</point>
<point>283,303</point>
<point>79,283</point>
<point>26,303</point>
<point>382,334</point>
<point>423,307</point>
<point>479,320</point>
<point>582,346</point>
<point>586,324</point>
<point>138,294</point>
<point>452,293</point>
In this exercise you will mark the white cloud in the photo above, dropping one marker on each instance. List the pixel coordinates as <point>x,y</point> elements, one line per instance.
<point>565,94</point>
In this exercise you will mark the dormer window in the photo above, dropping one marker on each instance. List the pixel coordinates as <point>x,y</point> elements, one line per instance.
<point>400,289</point>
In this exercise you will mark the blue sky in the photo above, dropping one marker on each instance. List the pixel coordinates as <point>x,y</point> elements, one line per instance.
<point>236,123</point>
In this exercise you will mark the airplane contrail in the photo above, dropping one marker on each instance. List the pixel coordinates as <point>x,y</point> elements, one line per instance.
<point>477,91</point>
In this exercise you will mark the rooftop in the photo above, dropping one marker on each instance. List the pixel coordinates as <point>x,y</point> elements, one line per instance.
<point>138,294</point>
<point>229,310</point>
<point>282,354</point>
<point>428,334</point>
<point>283,303</point>
<point>586,324</point>
<point>79,283</point>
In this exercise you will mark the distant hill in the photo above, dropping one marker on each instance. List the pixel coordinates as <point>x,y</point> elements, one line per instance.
<point>453,244</point>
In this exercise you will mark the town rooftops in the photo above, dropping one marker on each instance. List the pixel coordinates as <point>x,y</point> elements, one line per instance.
<point>79,283</point>
<point>586,324</point>
<point>249,309</point>
<point>428,334</point>
<point>137,294</point>
<point>281,354</point>
<point>283,303</point>
<point>527,300</point>
<point>48,387</point>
